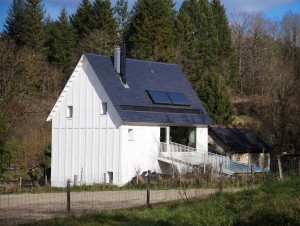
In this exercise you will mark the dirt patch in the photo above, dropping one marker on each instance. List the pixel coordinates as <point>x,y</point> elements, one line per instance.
<point>28,208</point>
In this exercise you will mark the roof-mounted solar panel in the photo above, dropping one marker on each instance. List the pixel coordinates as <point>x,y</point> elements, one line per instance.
<point>178,98</point>
<point>159,97</point>
<point>171,98</point>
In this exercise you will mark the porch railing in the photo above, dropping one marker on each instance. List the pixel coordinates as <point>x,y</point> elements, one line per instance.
<point>196,157</point>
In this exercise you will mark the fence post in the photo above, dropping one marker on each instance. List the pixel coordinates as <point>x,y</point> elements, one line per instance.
<point>252,172</point>
<point>137,177</point>
<point>279,167</point>
<point>221,177</point>
<point>75,180</point>
<point>68,198</point>
<point>148,189</point>
<point>20,182</point>
<point>299,167</point>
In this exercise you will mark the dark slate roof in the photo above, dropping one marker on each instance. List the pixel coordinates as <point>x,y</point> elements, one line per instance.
<point>134,105</point>
<point>238,139</point>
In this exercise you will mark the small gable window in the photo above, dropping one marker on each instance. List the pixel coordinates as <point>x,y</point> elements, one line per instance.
<point>130,135</point>
<point>103,110</point>
<point>70,112</point>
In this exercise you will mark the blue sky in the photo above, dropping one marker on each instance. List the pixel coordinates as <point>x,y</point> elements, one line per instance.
<point>273,9</point>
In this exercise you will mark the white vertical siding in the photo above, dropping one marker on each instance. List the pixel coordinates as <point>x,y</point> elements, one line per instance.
<point>141,153</point>
<point>88,144</point>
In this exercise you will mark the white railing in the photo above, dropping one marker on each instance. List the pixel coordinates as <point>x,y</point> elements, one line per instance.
<point>196,157</point>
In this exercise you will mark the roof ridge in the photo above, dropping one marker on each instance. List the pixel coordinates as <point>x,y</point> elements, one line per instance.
<point>132,59</point>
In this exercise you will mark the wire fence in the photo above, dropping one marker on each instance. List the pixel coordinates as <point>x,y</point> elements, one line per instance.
<point>27,204</point>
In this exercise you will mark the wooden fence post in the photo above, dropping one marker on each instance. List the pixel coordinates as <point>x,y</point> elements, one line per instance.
<point>299,167</point>
<point>137,177</point>
<point>68,198</point>
<point>20,182</point>
<point>221,177</point>
<point>252,172</point>
<point>279,167</point>
<point>148,189</point>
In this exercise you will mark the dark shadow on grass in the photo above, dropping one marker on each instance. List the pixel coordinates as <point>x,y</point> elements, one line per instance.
<point>268,219</point>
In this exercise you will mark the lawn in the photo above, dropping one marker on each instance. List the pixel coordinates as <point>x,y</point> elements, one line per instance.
<point>272,203</point>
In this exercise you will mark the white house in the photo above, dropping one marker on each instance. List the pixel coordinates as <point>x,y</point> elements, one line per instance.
<point>115,116</point>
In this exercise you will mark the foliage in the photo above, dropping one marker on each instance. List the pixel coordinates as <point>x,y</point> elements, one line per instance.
<point>227,61</point>
<point>61,41</point>
<point>99,42</point>
<point>34,145</point>
<point>121,12</point>
<point>14,20</point>
<point>104,18</point>
<point>214,95</point>
<point>207,43</point>
<point>32,34</point>
<point>5,133</point>
<point>150,31</point>
<point>83,21</point>
<point>204,51</point>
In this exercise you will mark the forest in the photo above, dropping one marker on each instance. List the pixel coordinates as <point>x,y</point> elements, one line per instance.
<point>245,68</point>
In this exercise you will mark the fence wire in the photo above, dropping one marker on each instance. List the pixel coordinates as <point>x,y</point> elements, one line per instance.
<point>30,204</point>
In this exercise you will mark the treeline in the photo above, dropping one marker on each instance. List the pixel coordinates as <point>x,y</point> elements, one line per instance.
<point>250,62</point>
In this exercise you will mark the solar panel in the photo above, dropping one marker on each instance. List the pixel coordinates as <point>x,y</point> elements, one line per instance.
<point>172,98</point>
<point>178,98</point>
<point>159,97</point>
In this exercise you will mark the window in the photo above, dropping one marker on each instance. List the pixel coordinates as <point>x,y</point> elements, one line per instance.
<point>70,112</point>
<point>103,110</point>
<point>130,135</point>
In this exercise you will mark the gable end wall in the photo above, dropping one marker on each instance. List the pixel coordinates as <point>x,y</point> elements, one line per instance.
<point>86,146</point>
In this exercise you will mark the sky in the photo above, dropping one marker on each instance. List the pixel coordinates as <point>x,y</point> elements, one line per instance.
<point>273,9</point>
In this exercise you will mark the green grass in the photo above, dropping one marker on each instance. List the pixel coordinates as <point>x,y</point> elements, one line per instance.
<point>273,203</point>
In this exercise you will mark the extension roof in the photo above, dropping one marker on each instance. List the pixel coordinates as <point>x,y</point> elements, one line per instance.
<point>238,139</point>
<point>134,104</point>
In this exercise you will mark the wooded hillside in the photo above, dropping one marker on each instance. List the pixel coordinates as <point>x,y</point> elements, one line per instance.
<point>245,69</point>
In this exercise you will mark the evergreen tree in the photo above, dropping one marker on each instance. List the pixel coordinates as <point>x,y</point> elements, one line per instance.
<point>215,98</point>
<point>200,12</point>
<point>187,47</point>
<point>32,29</point>
<point>227,64</point>
<point>150,33</point>
<point>103,36</point>
<point>121,12</point>
<point>198,48</point>
<point>61,41</point>
<point>14,20</point>
<point>104,17</point>
<point>83,19</point>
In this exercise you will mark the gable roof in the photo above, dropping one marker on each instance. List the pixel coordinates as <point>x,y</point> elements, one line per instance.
<point>134,105</point>
<point>238,139</point>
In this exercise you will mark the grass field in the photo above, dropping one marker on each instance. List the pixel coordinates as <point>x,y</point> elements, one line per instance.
<point>273,203</point>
